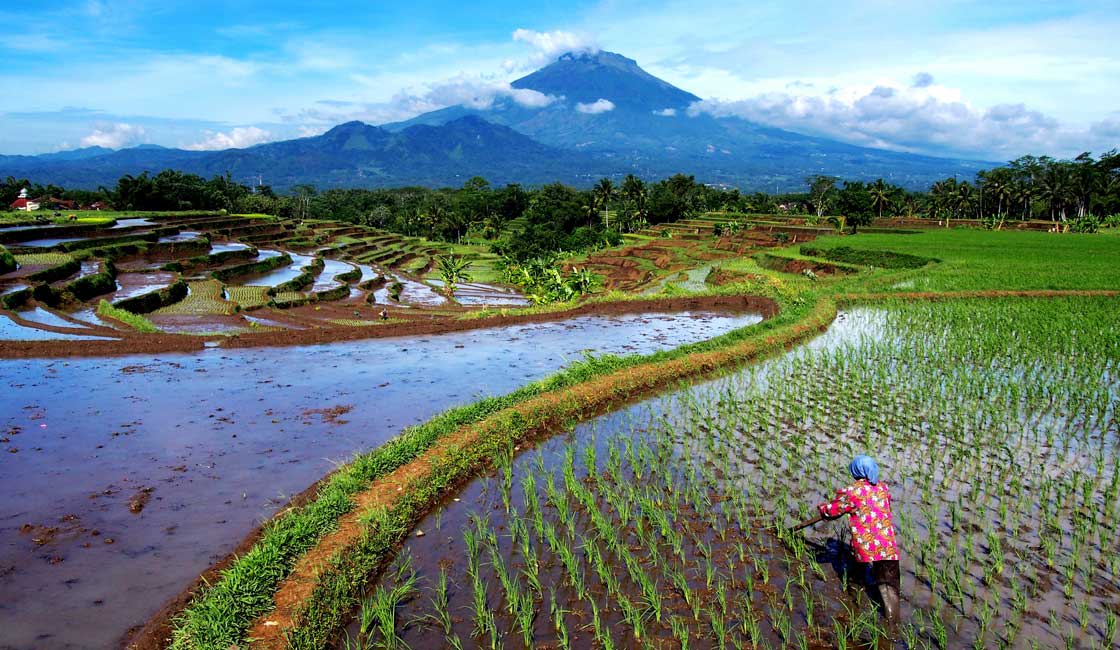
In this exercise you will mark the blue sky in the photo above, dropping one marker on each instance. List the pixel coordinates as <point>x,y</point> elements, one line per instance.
<point>989,80</point>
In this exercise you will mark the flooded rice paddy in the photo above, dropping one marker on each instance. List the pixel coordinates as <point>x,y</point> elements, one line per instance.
<point>125,477</point>
<point>995,425</point>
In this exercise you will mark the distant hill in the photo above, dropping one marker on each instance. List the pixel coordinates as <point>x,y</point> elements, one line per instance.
<point>353,154</point>
<point>607,117</point>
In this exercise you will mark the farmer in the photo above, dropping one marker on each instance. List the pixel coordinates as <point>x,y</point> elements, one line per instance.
<point>384,314</point>
<point>867,502</point>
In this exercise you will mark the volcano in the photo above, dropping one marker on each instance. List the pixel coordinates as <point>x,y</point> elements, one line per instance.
<point>588,115</point>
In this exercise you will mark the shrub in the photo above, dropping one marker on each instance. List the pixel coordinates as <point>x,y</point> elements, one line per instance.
<point>7,261</point>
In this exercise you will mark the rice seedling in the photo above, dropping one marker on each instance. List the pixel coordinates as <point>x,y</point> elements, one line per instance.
<point>995,423</point>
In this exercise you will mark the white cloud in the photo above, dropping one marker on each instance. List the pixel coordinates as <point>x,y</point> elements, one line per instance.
<point>306,131</point>
<point>480,94</point>
<point>919,116</point>
<point>475,92</point>
<point>552,44</point>
<point>115,135</point>
<point>666,112</point>
<point>594,108</point>
<point>237,138</point>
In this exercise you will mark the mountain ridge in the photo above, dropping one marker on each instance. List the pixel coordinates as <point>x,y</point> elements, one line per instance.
<point>604,116</point>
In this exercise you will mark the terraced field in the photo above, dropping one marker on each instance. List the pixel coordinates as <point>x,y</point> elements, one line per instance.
<point>202,273</point>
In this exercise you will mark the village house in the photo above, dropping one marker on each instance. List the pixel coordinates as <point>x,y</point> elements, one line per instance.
<point>24,203</point>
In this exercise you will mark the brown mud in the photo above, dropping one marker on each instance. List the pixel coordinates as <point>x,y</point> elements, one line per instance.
<point>543,415</point>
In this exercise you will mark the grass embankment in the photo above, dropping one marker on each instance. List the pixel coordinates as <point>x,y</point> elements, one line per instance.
<point>135,321</point>
<point>220,616</point>
<point>427,460</point>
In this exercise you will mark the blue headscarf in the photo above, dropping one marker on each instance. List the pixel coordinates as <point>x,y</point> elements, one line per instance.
<point>864,467</point>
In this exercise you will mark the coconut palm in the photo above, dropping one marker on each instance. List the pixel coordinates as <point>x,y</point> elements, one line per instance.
<point>604,192</point>
<point>880,196</point>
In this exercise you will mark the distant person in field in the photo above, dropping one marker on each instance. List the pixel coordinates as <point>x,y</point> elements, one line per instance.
<point>384,314</point>
<point>867,502</point>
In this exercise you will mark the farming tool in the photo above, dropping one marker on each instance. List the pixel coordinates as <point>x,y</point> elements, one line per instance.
<point>805,524</point>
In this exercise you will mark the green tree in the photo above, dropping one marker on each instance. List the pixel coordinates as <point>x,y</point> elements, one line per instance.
<point>604,192</point>
<point>881,194</point>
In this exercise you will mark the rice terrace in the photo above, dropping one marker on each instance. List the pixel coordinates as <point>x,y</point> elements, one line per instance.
<point>303,347</point>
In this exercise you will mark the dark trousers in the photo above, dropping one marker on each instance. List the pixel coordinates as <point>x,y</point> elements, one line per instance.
<point>885,572</point>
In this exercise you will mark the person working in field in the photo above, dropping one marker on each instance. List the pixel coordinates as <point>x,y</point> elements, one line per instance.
<point>867,502</point>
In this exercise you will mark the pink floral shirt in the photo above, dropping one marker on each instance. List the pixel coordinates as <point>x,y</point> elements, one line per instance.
<point>869,510</point>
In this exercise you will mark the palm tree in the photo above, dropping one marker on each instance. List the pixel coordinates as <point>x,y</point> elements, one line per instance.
<point>633,192</point>
<point>604,191</point>
<point>965,199</point>
<point>1054,188</point>
<point>880,196</point>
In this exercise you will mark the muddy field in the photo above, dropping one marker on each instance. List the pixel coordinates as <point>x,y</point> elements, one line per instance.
<point>995,424</point>
<point>125,477</point>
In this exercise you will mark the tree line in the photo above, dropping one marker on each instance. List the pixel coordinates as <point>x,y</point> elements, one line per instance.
<point>1083,192</point>
<point>525,223</point>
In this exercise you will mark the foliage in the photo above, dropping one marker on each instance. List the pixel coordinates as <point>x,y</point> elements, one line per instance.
<point>395,289</point>
<point>452,269</point>
<point>1087,223</point>
<point>543,282</point>
<point>174,190</point>
<point>7,261</point>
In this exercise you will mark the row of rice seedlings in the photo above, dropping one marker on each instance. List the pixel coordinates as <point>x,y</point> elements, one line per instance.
<point>204,297</point>
<point>996,427</point>
<point>248,297</point>
<point>43,259</point>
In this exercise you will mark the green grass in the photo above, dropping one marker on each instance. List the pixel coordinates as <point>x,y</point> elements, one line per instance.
<point>977,260</point>
<point>135,321</point>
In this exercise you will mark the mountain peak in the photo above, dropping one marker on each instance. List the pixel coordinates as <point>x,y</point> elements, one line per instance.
<point>587,77</point>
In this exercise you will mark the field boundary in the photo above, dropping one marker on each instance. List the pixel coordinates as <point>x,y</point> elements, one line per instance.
<point>312,601</point>
<point>309,602</point>
<point>155,633</point>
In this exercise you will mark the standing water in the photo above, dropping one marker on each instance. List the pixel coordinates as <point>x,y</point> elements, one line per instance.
<point>126,477</point>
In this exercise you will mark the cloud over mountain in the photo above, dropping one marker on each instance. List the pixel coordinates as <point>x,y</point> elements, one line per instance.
<point>594,108</point>
<point>237,138</point>
<point>115,135</point>
<point>920,116</point>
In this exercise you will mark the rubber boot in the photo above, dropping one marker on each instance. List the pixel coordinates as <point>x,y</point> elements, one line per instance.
<point>889,594</point>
